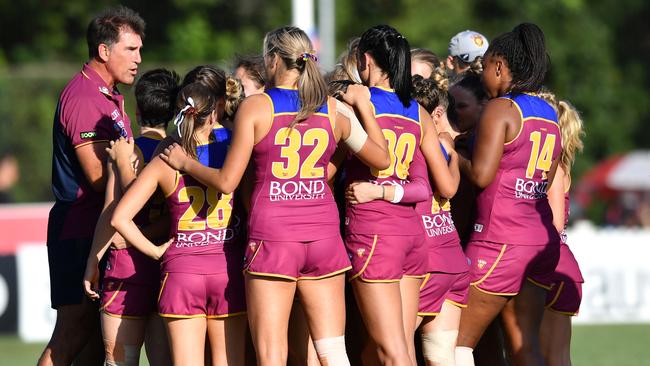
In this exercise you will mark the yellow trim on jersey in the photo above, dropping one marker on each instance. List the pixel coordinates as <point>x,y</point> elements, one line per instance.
<point>119,287</point>
<point>457,304</point>
<point>162,287</point>
<point>181,316</point>
<point>426,279</point>
<point>415,276</point>
<point>384,88</point>
<point>397,116</point>
<point>495,293</point>
<point>90,142</point>
<point>177,316</point>
<point>264,274</point>
<point>272,118</point>
<point>423,314</point>
<point>494,265</point>
<point>377,281</point>
<point>227,315</point>
<point>545,287</point>
<point>332,116</point>
<point>521,120</point>
<point>331,274</point>
<point>557,295</point>
<point>421,127</point>
<point>567,313</point>
<point>365,265</point>
<point>177,178</point>
<point>295,113</point>
<point>284,87</point>
<point>521,127</point>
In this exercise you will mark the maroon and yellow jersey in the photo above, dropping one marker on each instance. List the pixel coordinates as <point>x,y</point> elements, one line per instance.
<point>291,200</point>
<point>514,208</point>
<point>403,132</point>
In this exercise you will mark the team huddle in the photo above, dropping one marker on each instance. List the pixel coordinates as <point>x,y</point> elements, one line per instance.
<point>396,210</point>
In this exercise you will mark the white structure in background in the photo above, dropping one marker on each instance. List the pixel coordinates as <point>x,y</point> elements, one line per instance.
<point>36,317</point>
<point>324,36</point>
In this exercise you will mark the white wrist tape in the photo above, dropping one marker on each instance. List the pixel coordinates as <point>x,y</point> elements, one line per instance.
<point>358,135</point>
<point>399,193</point>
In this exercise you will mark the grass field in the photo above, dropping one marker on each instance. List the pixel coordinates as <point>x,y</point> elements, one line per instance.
<point>602,345</point>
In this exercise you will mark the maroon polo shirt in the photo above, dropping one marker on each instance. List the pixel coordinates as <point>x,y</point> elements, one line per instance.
<point>89,111</point>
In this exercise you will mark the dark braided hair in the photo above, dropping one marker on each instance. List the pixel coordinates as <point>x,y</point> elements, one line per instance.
<point>524,50</point>
<point>392,54</point>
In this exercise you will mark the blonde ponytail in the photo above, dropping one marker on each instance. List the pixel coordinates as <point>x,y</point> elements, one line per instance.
<point>571,127</point>
<point>572,130</point>
<point>295,49</point>
<point>233,97</point>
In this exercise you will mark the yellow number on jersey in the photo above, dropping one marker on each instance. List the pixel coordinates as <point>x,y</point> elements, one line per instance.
<point>219,208</point>
<point>317,137</point>
<point>540,160</point>
<point>401,153</point>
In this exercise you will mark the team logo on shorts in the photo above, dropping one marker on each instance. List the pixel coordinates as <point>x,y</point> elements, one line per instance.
<point>478,228</point>
<point>361,252</point>
<point>253,246</point>
<point>481,263</point>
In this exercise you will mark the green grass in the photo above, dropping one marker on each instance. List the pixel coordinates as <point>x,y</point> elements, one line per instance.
<point>593,345</point>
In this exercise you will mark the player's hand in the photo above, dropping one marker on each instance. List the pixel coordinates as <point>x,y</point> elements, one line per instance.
<point>356,95</point>
<point>118,241</point>
<point>175,156</point>
<point>91,279</point>
<point>121,150</point>
<point>362,192</point>
<point>162,248</point>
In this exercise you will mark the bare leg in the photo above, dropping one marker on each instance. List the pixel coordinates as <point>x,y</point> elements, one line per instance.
<point>555,338</point>
<point>227,340</point>
<point>410,295</point>
<point>123,339</point>
<point>481,309</point>
<point>187,340</point>
<point>447,321</point>
<point>75,325</point>
<point>381,308</point>
<point>156,343</point>
<point>301,347</point>
<point>269,302</point>
<point>522,318</point>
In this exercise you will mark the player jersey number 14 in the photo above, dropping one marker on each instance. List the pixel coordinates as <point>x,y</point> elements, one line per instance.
<point>543,159</point>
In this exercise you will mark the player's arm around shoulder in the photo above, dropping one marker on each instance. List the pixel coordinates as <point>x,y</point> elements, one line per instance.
<point>499,123</point>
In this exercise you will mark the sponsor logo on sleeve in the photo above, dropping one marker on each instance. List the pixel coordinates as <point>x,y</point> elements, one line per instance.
<point>88,135</point>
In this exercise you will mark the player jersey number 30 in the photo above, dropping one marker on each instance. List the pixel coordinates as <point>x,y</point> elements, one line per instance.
<point>401,152</point>
<point>292,141</point>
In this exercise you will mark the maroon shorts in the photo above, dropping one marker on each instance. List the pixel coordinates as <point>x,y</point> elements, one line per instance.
<point>387,258</point>
<point>189,295</point>
<point>501,269</point>
<point>566,295</point>
<point>310,260</point>
<point>125,299</point>
<point>439,287</point>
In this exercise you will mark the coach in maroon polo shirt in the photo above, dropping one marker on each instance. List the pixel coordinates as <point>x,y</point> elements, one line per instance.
<point>89,114</point>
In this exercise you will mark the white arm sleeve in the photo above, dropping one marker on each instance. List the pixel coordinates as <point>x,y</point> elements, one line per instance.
<point>358,135</point>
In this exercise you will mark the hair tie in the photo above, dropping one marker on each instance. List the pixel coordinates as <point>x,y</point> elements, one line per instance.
<point>308,55</point>
<point>180,117</point>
